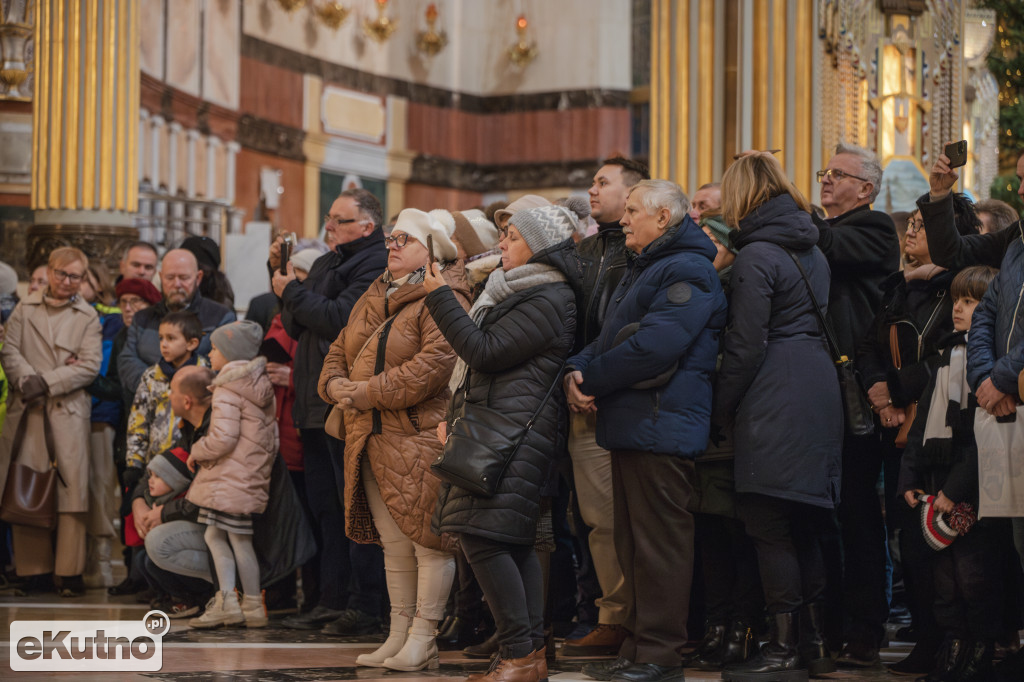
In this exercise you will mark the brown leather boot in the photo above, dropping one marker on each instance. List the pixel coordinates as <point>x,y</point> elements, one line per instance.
<point>510,670</point>
<point>604,640</point>
<point>540,661</point>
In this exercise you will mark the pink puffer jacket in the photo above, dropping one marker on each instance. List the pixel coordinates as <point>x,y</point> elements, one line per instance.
<point>238,451</point>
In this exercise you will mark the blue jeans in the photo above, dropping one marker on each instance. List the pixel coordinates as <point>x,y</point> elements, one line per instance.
<point>179,547</point>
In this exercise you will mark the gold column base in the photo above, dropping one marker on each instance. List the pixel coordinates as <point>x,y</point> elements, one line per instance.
<point>103,243</point>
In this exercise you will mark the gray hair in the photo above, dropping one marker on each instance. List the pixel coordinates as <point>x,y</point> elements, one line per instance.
<point>870,166</point>
<point>659,194</point>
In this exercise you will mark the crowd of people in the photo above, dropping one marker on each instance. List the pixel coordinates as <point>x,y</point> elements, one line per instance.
<point>618,421</point>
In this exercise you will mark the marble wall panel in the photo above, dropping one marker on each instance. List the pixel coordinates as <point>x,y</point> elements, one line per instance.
<point>427,197</point>
<point>221,56</point>
<point>247,187</point>
<point>271,92</point>
<point>183,48</point>
<point>151,37</point>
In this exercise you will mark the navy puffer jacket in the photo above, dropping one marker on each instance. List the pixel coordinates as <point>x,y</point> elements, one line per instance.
<point>777,382</point>
<point>514,356</point>
<point>672,291</point>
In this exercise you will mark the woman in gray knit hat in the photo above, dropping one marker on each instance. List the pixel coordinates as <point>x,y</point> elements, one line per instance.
<point>511,346</point>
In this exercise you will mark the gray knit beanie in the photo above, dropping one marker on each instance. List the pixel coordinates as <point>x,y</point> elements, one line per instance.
<point>239,340</point>
<point>545,226</point>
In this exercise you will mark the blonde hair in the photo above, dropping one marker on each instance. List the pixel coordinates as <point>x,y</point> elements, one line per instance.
<point>751,181</point>
<point>65,254</point>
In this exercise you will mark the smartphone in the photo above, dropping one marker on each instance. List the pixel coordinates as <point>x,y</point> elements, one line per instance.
<point>957,153</point>
<point>430,250</point>
<point>287,245</point>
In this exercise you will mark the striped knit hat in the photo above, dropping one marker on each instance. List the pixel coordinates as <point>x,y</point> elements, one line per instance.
<point>545,226</point>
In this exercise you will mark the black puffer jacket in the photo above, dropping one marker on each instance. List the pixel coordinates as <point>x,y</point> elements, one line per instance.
<point>514,357</point>
<point>315,311</point>
<point>922,312</point>
<point>862,250</point>
<point>603,257</point>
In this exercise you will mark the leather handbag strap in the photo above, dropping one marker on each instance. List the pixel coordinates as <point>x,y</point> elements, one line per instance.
<point>370,338</point>
<point>894,347</point>
<point>543,402</point>
<point>826,328</point>
<point>19,438</point>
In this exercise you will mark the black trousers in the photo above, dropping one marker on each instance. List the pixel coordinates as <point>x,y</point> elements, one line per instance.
<point>969,581</point>
<point>728,558</point>
<point>511,579</point>
<point>654,543</point>
<point>788,536</point>
<point>865,544</point>
<point>351,574</point>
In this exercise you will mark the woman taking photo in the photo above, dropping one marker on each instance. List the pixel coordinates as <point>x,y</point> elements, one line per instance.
<point>52,352</point>
<point>389,370</point>
<point>511,348</point>
<point>777,386</point>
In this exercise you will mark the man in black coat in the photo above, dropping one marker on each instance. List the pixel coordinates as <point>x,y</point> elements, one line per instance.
<point>314,312</point>
<point>862,249</point>
<point>603,256</point>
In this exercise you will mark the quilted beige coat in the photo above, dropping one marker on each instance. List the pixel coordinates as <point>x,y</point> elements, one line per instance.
<point>39,342</point>
<point>237,453</point>
<point>409,396</point>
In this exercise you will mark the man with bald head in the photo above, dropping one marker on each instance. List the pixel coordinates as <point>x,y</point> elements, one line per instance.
<point>179,279</point>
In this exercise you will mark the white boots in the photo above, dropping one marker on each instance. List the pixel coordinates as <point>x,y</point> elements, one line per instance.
<point>223,609</point>
<point>254,610</point>
<point>419,650</point>
<point>392,645</point>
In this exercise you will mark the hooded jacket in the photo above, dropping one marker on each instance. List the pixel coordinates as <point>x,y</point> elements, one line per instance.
<point>672,291</point>
<point>407,365</point>
<point>995,347</point>
<point>237,452</point>
<point>514,356</point>
<point>777,382</point>
<point>315,311</point>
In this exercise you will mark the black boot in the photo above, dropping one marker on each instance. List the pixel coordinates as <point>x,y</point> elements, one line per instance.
<point>922,657</point>
<point>738,646</point>
<point>779,659</point>
<point>812,640</point>
<point>709,645</point>
<point>458,633</point>
<point>951,659</point>
<point>977,665</point>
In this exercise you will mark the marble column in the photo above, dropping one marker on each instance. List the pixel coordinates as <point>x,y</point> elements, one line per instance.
<point>156,127</point>
<point>85,127</point>
<point>232,156</point>
<point>191,135</point>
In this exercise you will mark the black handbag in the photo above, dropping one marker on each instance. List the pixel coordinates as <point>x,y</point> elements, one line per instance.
<point>481,442</point>
<point>860,420</point>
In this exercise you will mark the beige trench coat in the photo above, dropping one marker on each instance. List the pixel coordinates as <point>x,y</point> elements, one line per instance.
<point>38,343</point>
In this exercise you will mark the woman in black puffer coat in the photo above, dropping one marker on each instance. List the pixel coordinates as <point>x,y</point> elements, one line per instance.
<point>511,347</point>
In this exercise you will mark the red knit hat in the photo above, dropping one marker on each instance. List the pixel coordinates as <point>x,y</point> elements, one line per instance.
<point>142,288</point>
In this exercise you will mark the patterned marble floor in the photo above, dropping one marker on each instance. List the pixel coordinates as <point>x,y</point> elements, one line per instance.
<point>275,654</point>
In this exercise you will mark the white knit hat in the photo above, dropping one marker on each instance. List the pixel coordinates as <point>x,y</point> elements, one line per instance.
<point>304,259</point>
<point>418,225</point>
<point>475,232</point>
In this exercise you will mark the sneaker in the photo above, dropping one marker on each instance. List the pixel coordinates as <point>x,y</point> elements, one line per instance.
<point>604,640</point>
<point>222,609</point>
<point>352,622</point>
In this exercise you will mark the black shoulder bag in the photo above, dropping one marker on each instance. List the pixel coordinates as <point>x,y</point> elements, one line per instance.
<point>860,419</point>
<point>481,442</point>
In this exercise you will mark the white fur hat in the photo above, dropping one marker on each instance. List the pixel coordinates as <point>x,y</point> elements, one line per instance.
<point>419,225</point>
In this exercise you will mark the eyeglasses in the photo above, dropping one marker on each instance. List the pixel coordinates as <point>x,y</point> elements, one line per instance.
<point>836,175</point>
<point>331,220</point>
<point>398,241</point>
<point>914,226</point>
<point>71,277</point>
<point>134,303</point>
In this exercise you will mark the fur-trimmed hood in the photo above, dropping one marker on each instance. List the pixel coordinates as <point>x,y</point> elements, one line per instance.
<point>243,377</point>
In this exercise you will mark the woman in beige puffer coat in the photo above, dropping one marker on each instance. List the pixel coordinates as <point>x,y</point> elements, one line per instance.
<point>390,368</point>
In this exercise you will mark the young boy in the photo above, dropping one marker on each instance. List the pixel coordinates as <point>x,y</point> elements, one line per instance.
<point>941,459</point>
<point>152,427</point>
<point>234,461</point>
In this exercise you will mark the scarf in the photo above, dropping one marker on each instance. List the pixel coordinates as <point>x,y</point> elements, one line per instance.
<point>52,302</point>
<point>949,397</point>
<point>168,369</point>
<point>925,272</point>
<point>414,277</point>
<point>500,285</point>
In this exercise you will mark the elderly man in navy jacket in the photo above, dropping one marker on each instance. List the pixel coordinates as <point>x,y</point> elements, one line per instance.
<point>648,377</point>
